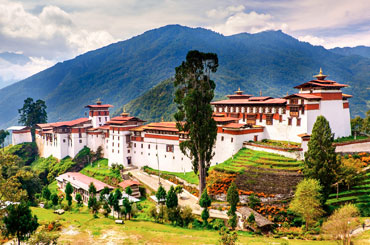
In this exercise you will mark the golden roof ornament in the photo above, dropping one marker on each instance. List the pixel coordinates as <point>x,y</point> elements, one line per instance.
<point>320,76</point>
<point>124,113</point>
<point>162,119</point>
<point>260,92</point>
<point>98,102</point>
<point>239,92</point>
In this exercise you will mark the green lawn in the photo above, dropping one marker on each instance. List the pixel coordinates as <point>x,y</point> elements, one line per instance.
<point>189,177</point>
<point>82,228</point>
<point>350,138</point>
<point>101,171</point>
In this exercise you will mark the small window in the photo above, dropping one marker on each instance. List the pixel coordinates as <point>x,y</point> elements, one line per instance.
<point>280,118</point>
<point>64,141</point>
<point>80,141</point>
<point>135,145</point>
<point>118,151</point>
<point>113,144</point>
<point>173,157</point>
<point>222,138</point>
<point>289,121</point>
<point>128,151</point>
<point>99,119</point>
<point>106,119</point>
<point>260,117</point>
<point>298,122</point>
<point>232,139</point>
<point>269,119</point>
<point>148,146</point>
<point>156,147</point>
<point>118,145</point>
<point>112,150</point>
<point>142,146</point>
<point>169,148</point>
<point>118,137</point>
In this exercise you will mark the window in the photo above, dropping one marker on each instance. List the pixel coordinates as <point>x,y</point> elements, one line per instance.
<point>156,147</point>
<point>269,119</point>
<point>173,157</point>
<point>112,143</point>
<point>106,119</point>
<point>232,139</point>
<point>118,151</point>
<point>302,110</point>
<point>280,118</point>
<point>169,148</point>
<point>142,146</point>
<point>80,141</point>
<point>118,145</point>
<point>298,122</point>
<point>294,101</point>
<point>128,138</point>
<point>222,138</point>
<point>135,145</point>
<point>118,137</point>
<point>284,110</point>
<point>148,146</point>
<point>260,117</point>
<point>289,121</point>
<point>112,150</point>
<point>294,111</point>
<point>99,119</point>
<point>128,151</point>
<point>64,141</point>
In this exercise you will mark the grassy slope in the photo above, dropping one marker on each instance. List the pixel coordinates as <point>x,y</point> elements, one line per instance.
<point>103,230</point>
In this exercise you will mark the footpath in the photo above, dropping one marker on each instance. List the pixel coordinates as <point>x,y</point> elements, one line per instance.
<point>185,199</point>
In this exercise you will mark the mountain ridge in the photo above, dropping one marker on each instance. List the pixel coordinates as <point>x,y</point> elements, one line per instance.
<point>272,62</point>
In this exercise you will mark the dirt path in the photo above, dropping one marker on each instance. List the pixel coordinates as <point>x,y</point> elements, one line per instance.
<point>186,199</point>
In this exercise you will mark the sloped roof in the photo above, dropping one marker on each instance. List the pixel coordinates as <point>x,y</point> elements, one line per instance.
<point>82,181</point>
<point>66,123</point>
<point>250,102</point>
<point>305,96</point>
<point>260,220</point>
<point>127,183</point>
<point>99,106</point>
<point>321,83</point>
<point>15,128</point>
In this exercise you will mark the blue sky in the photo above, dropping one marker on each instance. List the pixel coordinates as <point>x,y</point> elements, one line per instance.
<point>55,30</point>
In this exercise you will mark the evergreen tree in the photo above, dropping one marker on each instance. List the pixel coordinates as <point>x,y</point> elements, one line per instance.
<point>171,199</point>
<point>19,221</point>
<point>33,113</point>
<point>54,199</point>
<point>93,204</point>
<point>366,123</point>
<point>46,193</point>
<point>92,189</point>
<point>161,194</point>
<point>306,201</point>
<point>127,207</point>
<point>107,209</point>
<point>78,199</point>
<point>128,190</point>
<point>320,159</point>
<point>3,134</point>
<point>195,91</point>
<point>205,202</point>
<point>115,201</point>
<point>69,191</point>
<point>104,192</point>
<point>232,199</point>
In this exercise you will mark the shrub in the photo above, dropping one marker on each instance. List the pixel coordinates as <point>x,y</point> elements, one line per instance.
<point>186,215</point>
<point>253,201</point>
<point>217,224</point>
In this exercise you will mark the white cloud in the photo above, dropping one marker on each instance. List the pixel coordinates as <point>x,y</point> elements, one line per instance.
<point>312,39</point>
<point>251,22</point>
<point>221,12</point>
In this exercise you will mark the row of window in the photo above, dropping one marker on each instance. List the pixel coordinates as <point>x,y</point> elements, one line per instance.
<point>169,148</point>
<point>261,109</point>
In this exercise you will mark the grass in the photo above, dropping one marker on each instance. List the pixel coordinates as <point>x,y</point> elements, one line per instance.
<point>53,187</point>
<point>278,143</point>
<point>350,138</point>
<point>260,159</point>
<point>88,230</point>
<point>101,171</point>
<point>189,177</point>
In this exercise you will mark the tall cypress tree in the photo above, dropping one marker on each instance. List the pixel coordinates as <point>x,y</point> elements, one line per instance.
<point>195,91</point>
<point>321,159</point>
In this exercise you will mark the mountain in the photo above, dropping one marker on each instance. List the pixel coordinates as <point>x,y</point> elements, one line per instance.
<point>359,50</point>
<point>271,62</point>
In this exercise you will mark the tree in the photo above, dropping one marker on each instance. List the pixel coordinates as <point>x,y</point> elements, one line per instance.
<point>19,221</point>
<point>161,194</point>
<point>171,199</point>
<point>46,193</point>
<point>195,91</point>
<point>320,159</point>
<point>93,204</point>
<point>54,199</point>
<point>127,207</point>
<point>227,237</point>
<point>104,192</point>
<point>33,113</point>
<point>115,201</point>
<point>69,191</point>
<point>92,189</point>
<point>366,123</point>
<point>342,222</point>
<point>356,125</point>
<point>3,134</point>
<point>78,198</point>
<point>128,190</point>
<point>107,209</point>
<point>205,202</point>
<point>253,201</point>
<point>233,199</point>
<point>351,171</point>
<point>306,201</point>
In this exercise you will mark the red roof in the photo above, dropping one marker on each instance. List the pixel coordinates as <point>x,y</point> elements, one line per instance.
<point>82,181</point>
<point>321,83</point>
<point>259,98</point>
<point>249,102</point>
<point>127,183</point>
<point>99,106</point>
<point>66,123</point>
<point>225,119</point>
<point>305,96</point>
<point>234,125</point>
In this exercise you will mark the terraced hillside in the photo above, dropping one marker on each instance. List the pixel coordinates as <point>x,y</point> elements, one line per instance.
<point>359,194</point>
<point>257,172</point>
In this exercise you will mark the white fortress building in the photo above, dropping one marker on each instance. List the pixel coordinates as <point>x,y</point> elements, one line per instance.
<point>126,140</point>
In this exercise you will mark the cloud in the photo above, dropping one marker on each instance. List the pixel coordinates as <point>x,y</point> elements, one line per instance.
<point>251,22</point>
<point>312,39</point>
<point>52,30</point>
<point>10,72</point>
<point>221,12</point>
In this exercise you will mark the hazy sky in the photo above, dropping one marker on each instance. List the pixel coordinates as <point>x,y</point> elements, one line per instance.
<point>55,30</point>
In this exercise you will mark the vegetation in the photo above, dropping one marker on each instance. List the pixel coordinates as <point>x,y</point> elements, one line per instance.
<point>307,201</point>
<point>27,152</point>
<point>320,159</point>
<point>195,87</point>
<point>189,177</point>
<point>68,190</point>
<point>19,221</point>
<point>32,113</point>
<point>3,135</point>
<point>233,199</point>
<point>342,222</point>
<point>101,171</point>
<point>205,203</point>
<point>161,194</point>
<point>278,143</point>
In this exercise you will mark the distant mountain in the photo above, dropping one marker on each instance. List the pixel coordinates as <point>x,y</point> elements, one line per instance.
<point>359,50</point>
<point>271,62</point>
<point>15,58</point>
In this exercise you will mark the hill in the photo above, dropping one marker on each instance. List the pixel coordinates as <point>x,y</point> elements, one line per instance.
<point>270,61</point>
<point>359,50</point>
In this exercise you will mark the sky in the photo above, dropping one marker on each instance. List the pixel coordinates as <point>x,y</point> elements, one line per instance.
<point>55,30</point>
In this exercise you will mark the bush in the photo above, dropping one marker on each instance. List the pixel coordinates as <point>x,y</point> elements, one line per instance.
<point>253,201</point>
<point>186,216</point>
<point>197,224</point>
<point>217,224</point>
<point>142,191</point>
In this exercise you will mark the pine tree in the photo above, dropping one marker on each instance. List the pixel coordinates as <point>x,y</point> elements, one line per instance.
<point>78,199</point>
<point>92,189</point>
<point>69,191</point>
<point>128,190</point>
<point>195,91</point>
<point>161,194</point>
<point>54,199</point>
<point>320,159</point>
<point>171,199</point>
<point>46,193</point>
<point>232,199</point>
<point>205,202</point>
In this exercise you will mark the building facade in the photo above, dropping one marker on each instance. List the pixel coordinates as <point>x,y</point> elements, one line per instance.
<point>125,140</point>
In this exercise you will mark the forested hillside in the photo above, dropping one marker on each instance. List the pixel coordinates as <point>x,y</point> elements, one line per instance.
<point>271,62</point>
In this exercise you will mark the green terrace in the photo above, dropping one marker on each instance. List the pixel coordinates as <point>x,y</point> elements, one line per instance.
<point>246,158</point>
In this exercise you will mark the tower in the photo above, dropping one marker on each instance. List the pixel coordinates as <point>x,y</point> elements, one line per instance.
<point>99,113</point>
